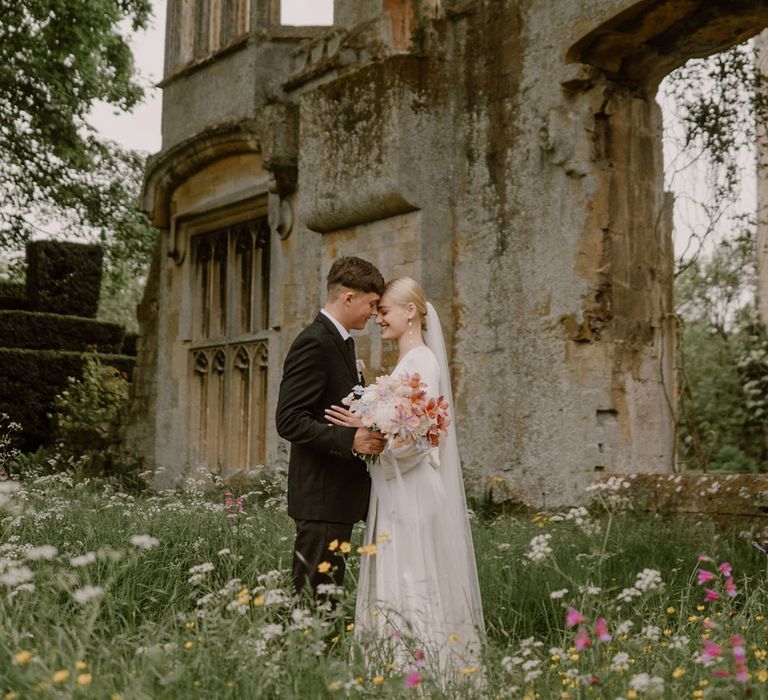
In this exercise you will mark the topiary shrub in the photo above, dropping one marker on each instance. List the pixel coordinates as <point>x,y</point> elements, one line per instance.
<point>13,295</point>
<point>64,278</point>
<point>30,381</point>
<point>44,331</point>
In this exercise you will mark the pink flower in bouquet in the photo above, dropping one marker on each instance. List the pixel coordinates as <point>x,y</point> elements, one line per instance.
<point>730,587</point>
<point>573,617</point>
<point>710,596</point>
<point>399,408</point>
<point>705,577</point>
<point>725,569</point>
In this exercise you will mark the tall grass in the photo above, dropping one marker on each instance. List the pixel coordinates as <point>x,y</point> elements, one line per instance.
<point>158,627</point>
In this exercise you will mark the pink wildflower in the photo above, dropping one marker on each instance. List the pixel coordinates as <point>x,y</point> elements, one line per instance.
<point>725,569</point>
<point>742,673</point>
<point>582,640</point>
<point>710,596</point>
<point>737,647</point>
<point>721,673</point>
<point>418,655</point>
<point>705,577</point>
<point>573,617</point>
<point>601,630</point>
<point>730,587</point>
<point>704,557</point>
<point>412,679</point>
<point>712,650</point>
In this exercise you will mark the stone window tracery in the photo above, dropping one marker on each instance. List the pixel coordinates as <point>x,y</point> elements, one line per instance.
<point>199,28</point>
<point>229,350</point>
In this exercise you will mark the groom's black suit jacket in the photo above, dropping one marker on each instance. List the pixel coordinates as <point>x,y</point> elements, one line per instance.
<point>325,480</point>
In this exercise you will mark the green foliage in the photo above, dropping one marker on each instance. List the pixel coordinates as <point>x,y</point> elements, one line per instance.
<point>720,369</point>
<point>64,278</point>
<point>153,629</point>
<point>34,330</point>
<point>87,411</point>
<point>30,380</point>
<point>721,99</point>
<point>57,59</point>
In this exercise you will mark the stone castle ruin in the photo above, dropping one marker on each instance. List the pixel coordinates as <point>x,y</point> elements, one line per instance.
<point>506,153</point>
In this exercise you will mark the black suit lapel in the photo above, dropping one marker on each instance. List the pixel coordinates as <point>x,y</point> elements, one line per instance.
<point>340,344</point>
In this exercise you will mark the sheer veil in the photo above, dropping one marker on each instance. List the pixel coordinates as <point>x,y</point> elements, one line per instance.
<point>455,512</point>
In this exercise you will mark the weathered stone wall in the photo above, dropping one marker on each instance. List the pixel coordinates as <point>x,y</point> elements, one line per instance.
<point>507,153</point>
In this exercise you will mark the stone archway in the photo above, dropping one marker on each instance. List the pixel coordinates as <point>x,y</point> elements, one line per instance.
<point>623,61</point>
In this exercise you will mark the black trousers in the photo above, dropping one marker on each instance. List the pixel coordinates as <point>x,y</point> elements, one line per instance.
<point>311,550</point>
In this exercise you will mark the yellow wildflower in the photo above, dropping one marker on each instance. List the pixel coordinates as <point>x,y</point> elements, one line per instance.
<point>60,676</point>
<point>701,608</point>
<point>678,672</point>
<point>693,618</point>
<point>759,618</point>
<point>378,680</point>
<point>80,665</point>
<point>23,657</point>
<point>188,645</point>
<point>762,675</point>
<point>369,549</point>
<point>359,680</point>
<point>334,640</point>
<point>703,682</point>
<point>350,626</point>
<point>574,657</point>
<point>671,610</point>
<point>334,686</point>
<point>698,693</point>
<point>258,600</point>
<point>345,547</point>
<point>333,546</point>
<point>631,693</point>
<point>191,625</point>
<point>468,671</point>
<point>324,567</point>
<point>383,537</point>
<point>454,637</point>
<point>84,679</point>
<point>10,695</point>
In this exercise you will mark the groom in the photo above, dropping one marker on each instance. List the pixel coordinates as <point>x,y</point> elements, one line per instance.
<point>328,486</point>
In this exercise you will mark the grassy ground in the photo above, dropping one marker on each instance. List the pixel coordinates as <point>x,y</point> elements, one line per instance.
<point>201,607</point>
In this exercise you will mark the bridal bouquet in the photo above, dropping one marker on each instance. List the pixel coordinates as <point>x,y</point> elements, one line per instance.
<point>400,408</point>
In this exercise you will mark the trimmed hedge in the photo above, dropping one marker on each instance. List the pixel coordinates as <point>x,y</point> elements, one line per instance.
<point>29,381</point>
<point>64,278</point>
<point>129,344</point>
<point>42,331</point>
<point>13,295</point>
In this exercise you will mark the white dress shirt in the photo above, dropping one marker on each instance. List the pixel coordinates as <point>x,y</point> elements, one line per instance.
<point>344,332</point>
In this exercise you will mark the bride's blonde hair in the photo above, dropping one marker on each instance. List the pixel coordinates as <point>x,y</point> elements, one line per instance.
<point>406,290</point>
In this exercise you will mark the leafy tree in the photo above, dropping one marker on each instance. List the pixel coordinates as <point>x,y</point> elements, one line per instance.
<point>58,58</point>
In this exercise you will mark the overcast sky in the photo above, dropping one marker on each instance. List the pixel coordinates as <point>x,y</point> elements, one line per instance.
<point>141,128</point>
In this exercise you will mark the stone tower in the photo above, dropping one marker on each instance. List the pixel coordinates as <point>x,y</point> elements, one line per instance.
<point>506,153</point>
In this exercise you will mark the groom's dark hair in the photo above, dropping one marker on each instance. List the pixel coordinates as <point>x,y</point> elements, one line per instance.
<point>354,273</point>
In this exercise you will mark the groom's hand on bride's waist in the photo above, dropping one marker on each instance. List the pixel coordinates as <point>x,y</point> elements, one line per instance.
<point>368,442</point>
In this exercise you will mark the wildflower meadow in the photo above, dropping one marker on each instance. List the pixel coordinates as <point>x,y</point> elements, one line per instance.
<point>110,591</point>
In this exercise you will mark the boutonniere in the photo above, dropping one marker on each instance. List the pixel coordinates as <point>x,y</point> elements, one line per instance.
<point>360,367</point>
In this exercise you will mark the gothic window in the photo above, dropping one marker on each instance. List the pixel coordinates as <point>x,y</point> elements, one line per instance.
<point>229,350</point>
<point>199,28</point>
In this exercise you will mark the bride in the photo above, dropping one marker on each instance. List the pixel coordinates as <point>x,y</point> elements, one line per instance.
<point>419,593</point>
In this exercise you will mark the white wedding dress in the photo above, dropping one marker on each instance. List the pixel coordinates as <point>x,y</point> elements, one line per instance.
<point>419,591</point>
